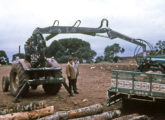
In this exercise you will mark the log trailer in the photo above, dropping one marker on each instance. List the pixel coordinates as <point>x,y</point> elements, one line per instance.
<point>47,72</point>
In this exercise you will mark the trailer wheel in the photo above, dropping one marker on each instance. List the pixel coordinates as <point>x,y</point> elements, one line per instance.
<point>5,84</point>
<point>53,88</point>
<point>17,77</point>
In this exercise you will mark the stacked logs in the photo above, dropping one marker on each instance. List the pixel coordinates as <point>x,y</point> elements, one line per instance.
<point>102,116</point>
<point>133,117</point>
<point>29,115</point>
<point>77,113</point>
<point>93,112</point>
<point>22,108</point>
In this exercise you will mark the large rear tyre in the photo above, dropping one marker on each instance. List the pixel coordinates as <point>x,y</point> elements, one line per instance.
<point>5,84</point>
<point>53,88</point>
<point>17,79</point>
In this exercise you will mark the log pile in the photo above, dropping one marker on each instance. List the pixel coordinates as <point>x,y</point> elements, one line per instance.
<point>93,112</point>
<point>86,111</point>
<point>29,115</point>
<point>134,116</point>
<point>22,108</point>
<point>102,116</point>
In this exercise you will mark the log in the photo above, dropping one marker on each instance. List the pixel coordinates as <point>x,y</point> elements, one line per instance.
<point>103,116</point>
<point>126,117</point>
<point>86,111</point>
<point>141,117</point>
<point>22,108</point>
<point>29,115</point>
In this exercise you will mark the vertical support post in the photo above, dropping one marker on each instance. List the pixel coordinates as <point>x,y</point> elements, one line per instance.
<point>117,74</point>
<point>133,81</point>
<point>150,80</point>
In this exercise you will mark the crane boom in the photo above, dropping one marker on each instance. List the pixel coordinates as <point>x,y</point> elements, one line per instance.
<point>112,34</point>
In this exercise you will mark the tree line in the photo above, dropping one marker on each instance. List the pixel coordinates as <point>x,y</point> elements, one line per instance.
<point>62,49</point>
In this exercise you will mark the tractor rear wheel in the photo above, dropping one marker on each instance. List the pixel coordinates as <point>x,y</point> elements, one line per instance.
<point>53,88</point>
<point>5,84</point>
<point>17,78</point>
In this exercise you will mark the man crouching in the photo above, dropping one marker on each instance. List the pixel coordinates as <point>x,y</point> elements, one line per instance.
<point>71,74</point>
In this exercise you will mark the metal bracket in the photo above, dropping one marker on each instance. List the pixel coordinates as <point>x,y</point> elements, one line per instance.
<point>56,21</point>
<point>102,22</point>
<point>77,22</point>
<point>20,91</point>
<point>112,99</point>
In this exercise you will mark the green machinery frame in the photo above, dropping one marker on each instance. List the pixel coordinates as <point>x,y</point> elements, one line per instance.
<point>136,85</point>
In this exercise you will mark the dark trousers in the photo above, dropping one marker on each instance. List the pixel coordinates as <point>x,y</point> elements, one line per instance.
<point>76,83</point>
<point>72,84</point>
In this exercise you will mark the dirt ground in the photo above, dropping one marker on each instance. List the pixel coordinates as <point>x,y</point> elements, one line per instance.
<point>92,85</point>
<point>93,82</point>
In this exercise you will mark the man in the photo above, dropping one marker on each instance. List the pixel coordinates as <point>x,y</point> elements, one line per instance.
<point>76,67</point>
<point>29,51</point>
<point>71,74</point>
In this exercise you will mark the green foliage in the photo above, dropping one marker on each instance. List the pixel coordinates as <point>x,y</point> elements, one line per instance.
<point>3,57</point>
<point>99,59</point>
<point>116,59</point>
<point>64,48</point>
<point>160,47</point>
<point>111,51</point>
<point>21,56</point>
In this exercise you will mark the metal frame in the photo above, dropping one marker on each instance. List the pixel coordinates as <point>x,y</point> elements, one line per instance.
<point>43,69</point>
<point>75,29</point>
<point>46,81</point>
<point>130,89</point>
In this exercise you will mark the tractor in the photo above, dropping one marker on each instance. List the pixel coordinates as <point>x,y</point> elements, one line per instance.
<point>36,69</point>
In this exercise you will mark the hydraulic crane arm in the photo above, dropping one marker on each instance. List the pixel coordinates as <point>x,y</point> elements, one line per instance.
<point>55,30</point>
<point>113,34</point>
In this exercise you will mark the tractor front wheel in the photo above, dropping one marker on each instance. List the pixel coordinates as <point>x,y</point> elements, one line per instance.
<point>17,79</point>
<point>5,84</point>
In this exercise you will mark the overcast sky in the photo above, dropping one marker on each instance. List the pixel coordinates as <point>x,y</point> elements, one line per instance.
<point>136,18</point>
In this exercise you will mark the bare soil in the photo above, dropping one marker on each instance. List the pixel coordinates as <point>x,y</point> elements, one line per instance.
<point>93,82</point>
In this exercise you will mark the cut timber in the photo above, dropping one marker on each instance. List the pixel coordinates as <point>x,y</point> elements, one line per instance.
<point>126,117</point>
<point>141,117</point>
<point>29,115</point>
<point>103,116</point>
<point>86,111</point>
<point>22,108</point>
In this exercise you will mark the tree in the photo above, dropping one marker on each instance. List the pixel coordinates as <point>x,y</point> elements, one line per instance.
<point>99,59</point>
<point>3,57</point>
<point>111,51</point>
<point>64,48</point>
<point>160,47</point>
<point>55,49</point>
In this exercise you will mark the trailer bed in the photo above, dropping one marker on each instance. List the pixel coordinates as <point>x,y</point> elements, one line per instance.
<point>136,85</point>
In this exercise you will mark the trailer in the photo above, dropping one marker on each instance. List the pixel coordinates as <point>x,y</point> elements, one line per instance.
<point>136,86</point>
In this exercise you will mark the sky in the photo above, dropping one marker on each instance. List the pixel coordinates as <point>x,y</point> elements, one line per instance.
<point>136,18</point>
